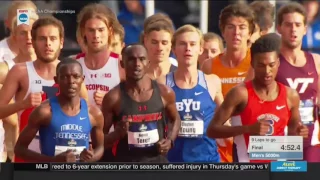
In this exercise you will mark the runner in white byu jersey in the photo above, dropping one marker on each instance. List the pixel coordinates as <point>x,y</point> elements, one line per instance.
<point>8,47</point>
<point>22,37</point>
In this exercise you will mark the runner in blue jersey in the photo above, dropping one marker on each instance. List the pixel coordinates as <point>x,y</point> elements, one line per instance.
<point>65,123</point>
<point>197,96</point>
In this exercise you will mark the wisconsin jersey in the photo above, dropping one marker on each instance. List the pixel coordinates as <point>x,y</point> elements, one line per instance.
<point>305,80</point>
<point>103,79</point>
<point>276,112</point>
<point>196,109</point>
<point>36,84</point>
<point>66,132</point>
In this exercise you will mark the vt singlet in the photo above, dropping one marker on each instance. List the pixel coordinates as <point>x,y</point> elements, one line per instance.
<point>277,112</point>
<point>146,127</point>
<point>66,132</point>
<point>305,81</point>
<point>196,109</point>
<point>103,79</point>
<point>36,84</point>
<point>230,77</point>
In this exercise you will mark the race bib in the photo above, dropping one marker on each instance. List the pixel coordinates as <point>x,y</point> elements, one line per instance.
<point>141,136</point>
<point>306,110</point>
<point>191,129</point>
<point>76,150</point>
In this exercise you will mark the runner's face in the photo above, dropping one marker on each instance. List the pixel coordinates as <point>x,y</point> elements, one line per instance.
<point>70,78</point>
<point>135,62</point>
<point>187,48</point>
<point>210,50</point>
<point>22,37</point>
<point>292,30</point>
<point>97,35</point>
<point>266,67</point>
<point>158,44</point>
<point>116,44</point>
<point>236,32</point>
<point>255,35</point>
<point>47,43</point>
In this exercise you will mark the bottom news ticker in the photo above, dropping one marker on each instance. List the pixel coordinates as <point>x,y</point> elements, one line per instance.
<point>140,167</point>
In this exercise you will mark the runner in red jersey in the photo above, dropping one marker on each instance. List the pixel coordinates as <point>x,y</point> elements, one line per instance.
<point>261,106</point>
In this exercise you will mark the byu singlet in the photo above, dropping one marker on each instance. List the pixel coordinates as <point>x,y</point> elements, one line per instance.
<point>196,109</point>
<point>103,79</point>
<point>66,132</point>
<point>146,126</point>
<point>277,112</point>
<point>36,84</point>
<point>305,81</point>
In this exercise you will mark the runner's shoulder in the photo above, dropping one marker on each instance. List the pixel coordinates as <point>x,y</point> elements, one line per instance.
<point>291,93</point>
<point>113,95</point>
<point>239,91</point>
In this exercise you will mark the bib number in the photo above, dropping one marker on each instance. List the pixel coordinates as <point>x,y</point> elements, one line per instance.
<point>306,110</point>
<point>144,137</point>
<point>76,150</point>
<point>191,129</point>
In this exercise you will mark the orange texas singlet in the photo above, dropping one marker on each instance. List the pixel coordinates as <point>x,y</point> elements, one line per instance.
<point>230,77</point>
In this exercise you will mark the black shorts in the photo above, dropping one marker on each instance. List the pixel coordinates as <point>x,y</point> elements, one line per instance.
<point>107,156</point>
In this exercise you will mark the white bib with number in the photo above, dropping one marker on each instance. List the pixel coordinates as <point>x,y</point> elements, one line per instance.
<point>306,111</point>
<point>76,150</point>
<point>144,138</point>
<point>191,128</point>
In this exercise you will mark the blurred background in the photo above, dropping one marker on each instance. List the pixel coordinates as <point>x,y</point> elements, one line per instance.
<point>131,13</point>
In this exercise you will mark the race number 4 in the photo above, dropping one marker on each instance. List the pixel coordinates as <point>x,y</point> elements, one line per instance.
<point>295,83</point>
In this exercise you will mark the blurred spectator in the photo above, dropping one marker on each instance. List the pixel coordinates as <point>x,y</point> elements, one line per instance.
<point>311,41</point>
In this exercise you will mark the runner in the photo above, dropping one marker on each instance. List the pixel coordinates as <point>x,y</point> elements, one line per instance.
<point>258,107</point>
<point>300,70</point>
<point>236,24</point>
<point>158,31</point>
<point>64,123</point>
<point>197,96</point>
<point>8,46</point>
<point>138,107</point>
<point>26,81</point>
<point>212,46</point>
<point>264,12</point>
<point>117,42</point>
<point>22,38</point>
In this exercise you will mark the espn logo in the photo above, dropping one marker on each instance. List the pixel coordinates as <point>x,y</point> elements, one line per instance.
<point>23,16</point>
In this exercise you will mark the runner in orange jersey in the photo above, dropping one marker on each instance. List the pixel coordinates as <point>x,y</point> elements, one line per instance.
<point>236,24</point>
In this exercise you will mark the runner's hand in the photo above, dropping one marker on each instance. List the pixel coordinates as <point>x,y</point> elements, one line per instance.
<point>67,156</point>
<point>33,100</point>
<point>87,154</point>
<point>122,127</point>
<point>303,130</point>
<point>259,128</point>
<point>164,145</point>
<point>98,97</point>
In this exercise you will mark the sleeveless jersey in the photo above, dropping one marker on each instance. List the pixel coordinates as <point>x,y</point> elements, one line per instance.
<point>103,79</point>
<point>146,128</point>
<point>305,81</point>
<point>36,84</point>
<point>277,112</point>
<point>66,132</point>
<point>196,109</point>
<point>230,76</point>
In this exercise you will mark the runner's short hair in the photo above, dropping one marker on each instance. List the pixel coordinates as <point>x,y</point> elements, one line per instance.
<point>67,61</point>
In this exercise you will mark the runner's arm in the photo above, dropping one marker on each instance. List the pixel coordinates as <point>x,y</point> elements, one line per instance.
<point>7,92</point>
<point>316,58</point>
<point>233,100</point>
<point>295,120</point>
<point>3,72</point>
<point>206,66</point>
<point>39,117</point>
<point>97,135</point>
<point>174,122</point>
<point>84,92</point>
<point>108,104</point>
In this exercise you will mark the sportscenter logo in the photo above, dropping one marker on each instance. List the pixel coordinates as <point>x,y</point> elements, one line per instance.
<point>23,16</point>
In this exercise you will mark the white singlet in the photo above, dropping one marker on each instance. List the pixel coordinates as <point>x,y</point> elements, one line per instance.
<point>5,52</point>
<point>36,84</point>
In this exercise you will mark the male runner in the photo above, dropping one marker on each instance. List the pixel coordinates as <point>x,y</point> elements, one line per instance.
<point>139,107</point>
<point>300,70</point>
<point>26,81</point>
<point>22,38</point>
<point>261,106</point>
<point>101,67</point>
<point>236,24</point>
<point>117,42</point>
<point>64,122</point>
<point>8,46</point>
<point>158,31</point>
<point>197,96</point>
<point>212,46</point>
